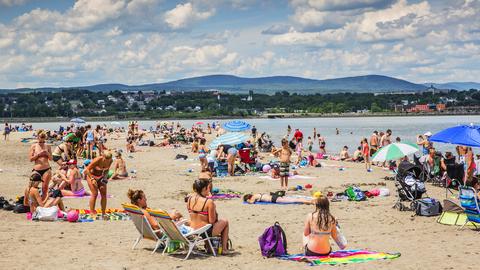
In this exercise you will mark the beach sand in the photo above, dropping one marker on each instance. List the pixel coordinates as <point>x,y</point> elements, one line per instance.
<point>372,224</point>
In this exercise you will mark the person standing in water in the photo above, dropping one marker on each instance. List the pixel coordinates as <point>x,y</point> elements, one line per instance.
<point>41,153</point>
<point>285,153</point>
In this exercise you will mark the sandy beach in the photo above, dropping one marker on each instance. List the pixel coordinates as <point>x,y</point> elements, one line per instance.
<point>371,224</point>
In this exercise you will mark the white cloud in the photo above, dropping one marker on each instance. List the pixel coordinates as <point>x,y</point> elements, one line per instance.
<point>10,3</point>
<point>185,14</point>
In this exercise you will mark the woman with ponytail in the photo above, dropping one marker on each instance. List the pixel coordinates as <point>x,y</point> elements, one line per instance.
<point>203,211</point>
<point>319,226</point>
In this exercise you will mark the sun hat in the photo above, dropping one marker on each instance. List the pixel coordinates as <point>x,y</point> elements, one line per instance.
<point>428,134</point>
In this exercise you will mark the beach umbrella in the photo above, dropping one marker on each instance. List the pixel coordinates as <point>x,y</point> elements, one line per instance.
<point>236,126</point>
<point>394,151</point>
<point>77,121</point>
<point>467,135</point>
<point>232,138</point>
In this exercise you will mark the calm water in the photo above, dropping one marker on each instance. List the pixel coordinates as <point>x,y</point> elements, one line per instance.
<point>404,127</point>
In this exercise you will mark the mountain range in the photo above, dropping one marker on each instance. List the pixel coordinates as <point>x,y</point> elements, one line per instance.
<point>269,85</point>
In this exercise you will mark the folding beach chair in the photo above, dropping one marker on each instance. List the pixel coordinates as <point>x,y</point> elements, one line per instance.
<point>187,241</point>
<point>143,226</point>
<point>469,201</point>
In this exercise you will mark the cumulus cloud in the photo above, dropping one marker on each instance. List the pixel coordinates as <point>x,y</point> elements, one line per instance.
<point>185,14</point>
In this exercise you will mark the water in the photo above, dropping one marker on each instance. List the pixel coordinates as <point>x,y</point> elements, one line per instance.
<point>352,130</point>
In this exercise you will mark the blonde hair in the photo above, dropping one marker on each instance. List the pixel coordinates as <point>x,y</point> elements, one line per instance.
<point>107,154</point>
<point>41,133</point>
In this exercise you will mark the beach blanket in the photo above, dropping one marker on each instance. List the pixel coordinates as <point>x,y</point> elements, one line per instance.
<point>225,194</point>
<point>342,257</point>
<point>289,177</point>
<point>282,203</point>
<point>84,196</point>
<point>111,214</point>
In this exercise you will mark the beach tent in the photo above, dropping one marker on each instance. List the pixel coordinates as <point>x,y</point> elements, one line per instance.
<point>232,138</point>
<point>394,151</point>
<point>236,126</point>
<point>77,121</point>
<point>467,135</point>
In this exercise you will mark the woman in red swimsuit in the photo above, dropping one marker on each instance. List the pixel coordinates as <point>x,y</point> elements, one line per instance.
<point>366,154</point>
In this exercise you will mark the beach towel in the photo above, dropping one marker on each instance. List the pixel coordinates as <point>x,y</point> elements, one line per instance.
<point>342,257</point>
<point>289,177</point>
<point>111,214</point>
<point>84,196</point>
<point>282,203</point>
<point>224,194</point>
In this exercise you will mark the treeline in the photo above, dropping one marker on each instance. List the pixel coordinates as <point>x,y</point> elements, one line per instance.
<point>70,103</point>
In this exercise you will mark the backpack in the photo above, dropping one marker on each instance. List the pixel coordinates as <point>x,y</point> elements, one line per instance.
<point>273,242</point>
<point>427,207</point>
<point>355,194</point>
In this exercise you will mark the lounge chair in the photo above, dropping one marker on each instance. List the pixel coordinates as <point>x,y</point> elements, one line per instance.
<point>469,201</point>
<point>143,227</point>
<point>187,241</point>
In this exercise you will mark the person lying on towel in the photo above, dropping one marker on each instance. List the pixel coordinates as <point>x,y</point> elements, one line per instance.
<point>276,197</point>
<point>319,227</point>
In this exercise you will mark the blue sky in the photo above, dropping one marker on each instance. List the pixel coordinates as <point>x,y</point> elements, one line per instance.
<point>83,42</point>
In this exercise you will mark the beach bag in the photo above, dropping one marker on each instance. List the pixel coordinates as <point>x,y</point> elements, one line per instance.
<point>273,242</point>
<point>427,207</point>
<point>45,213</point>
<point>355,194</point>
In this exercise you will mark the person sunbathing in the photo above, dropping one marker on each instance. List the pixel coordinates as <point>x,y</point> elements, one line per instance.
<point>203,211</point>
<point>119,167</point>
<point>344,155</point>
<point>74,181</point>
<point>138,198</point>
<point>32,196</point>
<point>274,198</point>
<point>319,226</point>
<point>205,174</point>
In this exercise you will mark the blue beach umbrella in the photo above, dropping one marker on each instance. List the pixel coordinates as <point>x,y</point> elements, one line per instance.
<point>467,135</point>
<point>236,126</point>
<point>229,139</point>
<point>77,121</point>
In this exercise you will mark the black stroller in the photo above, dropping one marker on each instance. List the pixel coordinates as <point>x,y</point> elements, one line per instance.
<point>409,183</point>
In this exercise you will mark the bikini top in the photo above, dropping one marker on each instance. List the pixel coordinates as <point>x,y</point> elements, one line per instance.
<point>259,199</point>
<point>315,232</point>
<point>202,212</point>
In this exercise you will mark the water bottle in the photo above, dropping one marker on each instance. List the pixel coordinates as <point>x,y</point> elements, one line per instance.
<point>341,240</point>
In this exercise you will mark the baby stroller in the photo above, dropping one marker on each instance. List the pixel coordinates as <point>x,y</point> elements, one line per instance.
<point>409,183</point>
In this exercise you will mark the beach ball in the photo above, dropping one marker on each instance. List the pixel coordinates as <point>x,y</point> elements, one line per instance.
<point>317,194</point>
<point>72,216</point>
<point>266,168</point>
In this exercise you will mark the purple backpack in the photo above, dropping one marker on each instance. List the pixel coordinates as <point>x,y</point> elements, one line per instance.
<point>273,242</point>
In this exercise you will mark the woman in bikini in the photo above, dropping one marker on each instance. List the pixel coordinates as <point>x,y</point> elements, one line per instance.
<point>32,196</point>
<point>319,226</point>
<point>96,173</point>
<point>41,153</point>
<point>63,151</point>
<point>274,198</point>
<point>202,153</point>
<point>203,211</point>
<point>74,181</point>
<point>119,168</point>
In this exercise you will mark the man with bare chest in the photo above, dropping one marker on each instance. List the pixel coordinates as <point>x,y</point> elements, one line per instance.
<point>284,155</point>
<point>41,153</point>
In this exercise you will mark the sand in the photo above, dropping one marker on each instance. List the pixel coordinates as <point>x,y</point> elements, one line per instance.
<point>372,224</point>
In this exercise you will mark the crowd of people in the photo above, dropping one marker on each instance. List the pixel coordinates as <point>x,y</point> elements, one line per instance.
<point>102,164</point>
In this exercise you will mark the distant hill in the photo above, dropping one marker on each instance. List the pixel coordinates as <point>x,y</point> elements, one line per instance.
<point>455,85</point>
<point>230,83</point>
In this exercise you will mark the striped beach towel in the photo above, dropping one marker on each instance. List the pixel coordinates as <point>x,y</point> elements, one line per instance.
<point>342,257</point>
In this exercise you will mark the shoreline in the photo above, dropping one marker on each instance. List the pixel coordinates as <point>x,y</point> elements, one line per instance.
<point>264,116</point>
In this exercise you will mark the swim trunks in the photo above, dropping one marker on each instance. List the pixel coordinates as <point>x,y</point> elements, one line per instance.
<point>284,168</point>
